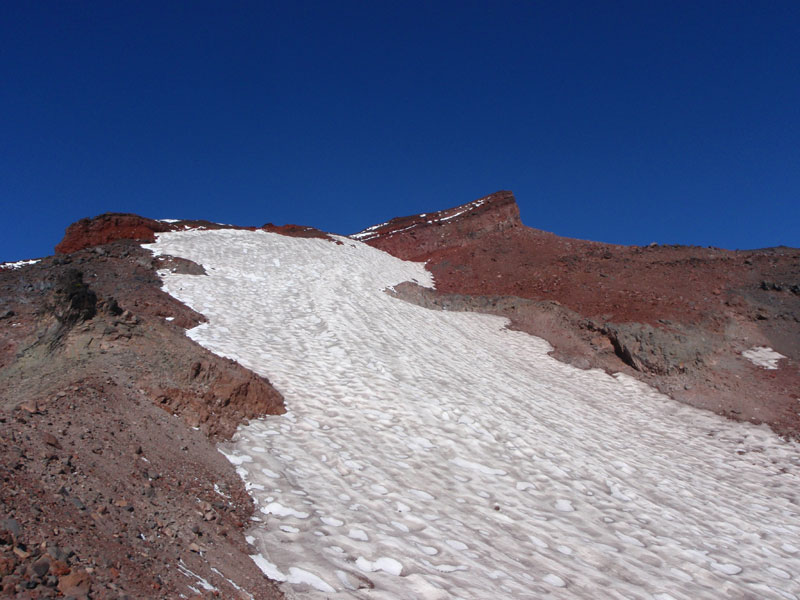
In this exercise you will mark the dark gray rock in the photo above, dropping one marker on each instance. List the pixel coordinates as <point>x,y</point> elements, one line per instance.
<point>11,525</point>
<point>41,566</point>
<point>654,350</point>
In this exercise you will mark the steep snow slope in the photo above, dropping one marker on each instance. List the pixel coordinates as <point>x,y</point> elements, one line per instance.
<point>439,455</point>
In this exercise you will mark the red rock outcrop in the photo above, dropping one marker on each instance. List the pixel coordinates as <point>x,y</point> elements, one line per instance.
<point>417,236</point>
<point>299,231</point>
<point>110,227</point>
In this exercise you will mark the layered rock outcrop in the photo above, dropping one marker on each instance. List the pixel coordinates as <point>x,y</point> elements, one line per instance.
<point>417,236</point>
<point>110,227</point>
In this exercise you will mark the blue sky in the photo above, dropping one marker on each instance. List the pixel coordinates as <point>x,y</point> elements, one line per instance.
<point>624,122</point>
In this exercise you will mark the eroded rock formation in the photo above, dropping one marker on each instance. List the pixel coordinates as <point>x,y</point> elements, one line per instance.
<point>109,227</point>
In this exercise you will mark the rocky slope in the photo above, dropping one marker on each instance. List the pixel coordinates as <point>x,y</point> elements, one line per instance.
<point>677,317</point>
<point>112,485</point>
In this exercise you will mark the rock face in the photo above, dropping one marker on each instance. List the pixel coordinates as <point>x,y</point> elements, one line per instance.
<point>417,237</point>
<point>109,228</point>
<point>74,301</point>
<point>296,231</point>
<point>676,317</point>
<point>660,351</point>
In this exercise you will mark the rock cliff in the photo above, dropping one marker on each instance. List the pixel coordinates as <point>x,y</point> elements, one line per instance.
<point>417,236</point>
<point>110,227</point>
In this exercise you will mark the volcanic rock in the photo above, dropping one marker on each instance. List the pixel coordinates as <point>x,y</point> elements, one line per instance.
<point>95,232</point>
<point>75,584</point>
<point>110,227</point>
<point>104,374</point>
<point>416,237</point>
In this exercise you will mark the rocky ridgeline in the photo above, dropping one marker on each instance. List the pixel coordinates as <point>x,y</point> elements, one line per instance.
<point>677,317</point>
<point>416,237</point>
<point>110,227</point>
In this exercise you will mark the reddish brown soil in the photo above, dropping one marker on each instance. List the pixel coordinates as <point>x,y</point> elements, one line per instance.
<point>297,231</point>
<point>109,416</point>
<point>676,316</point>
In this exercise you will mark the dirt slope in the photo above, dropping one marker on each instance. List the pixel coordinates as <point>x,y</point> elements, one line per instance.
<point>112,484</point>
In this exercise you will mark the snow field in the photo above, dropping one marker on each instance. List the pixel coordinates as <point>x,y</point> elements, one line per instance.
<point>439,455</point>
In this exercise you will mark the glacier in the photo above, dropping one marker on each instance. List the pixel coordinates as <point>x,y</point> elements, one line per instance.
<point>437,455</point>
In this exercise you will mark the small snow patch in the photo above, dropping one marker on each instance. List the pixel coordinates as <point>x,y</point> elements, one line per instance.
<point>763,356</point>
<point>237,459</point>
<point>358,534</point>
<point>19,264</point>
<point>277,509</point>
<point>269,569</point>
<point>421,494</point>
<point>468,464</point>
<point>456,545</point>
<point>203,583</point>
<point>727,568</point>
<point>779,573</point>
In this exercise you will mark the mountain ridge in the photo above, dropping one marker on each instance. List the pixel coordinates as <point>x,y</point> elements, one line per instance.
<point>89,333</point>
<point>677,317</point>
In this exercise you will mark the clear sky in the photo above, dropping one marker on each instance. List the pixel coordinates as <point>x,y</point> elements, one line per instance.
<point>624,122</point>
